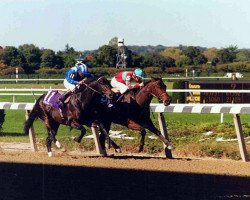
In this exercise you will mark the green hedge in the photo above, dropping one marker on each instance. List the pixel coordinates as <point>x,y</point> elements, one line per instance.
<point>178,97</point>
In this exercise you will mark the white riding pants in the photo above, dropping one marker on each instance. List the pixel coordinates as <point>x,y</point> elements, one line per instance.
<point>120,86</point>
<point>68,85</point>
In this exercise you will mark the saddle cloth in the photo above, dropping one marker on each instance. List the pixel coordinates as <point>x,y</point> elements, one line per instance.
<point>52,98</point>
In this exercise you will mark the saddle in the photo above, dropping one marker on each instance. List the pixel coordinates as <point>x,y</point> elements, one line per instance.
<point>52,98</point>
<point>118,96</point>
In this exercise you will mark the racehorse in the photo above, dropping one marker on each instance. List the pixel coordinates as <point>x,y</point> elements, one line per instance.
<point>76,113</point>
<point>133,110</point>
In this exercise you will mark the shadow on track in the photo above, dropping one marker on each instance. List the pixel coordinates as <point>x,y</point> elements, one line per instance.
<point>12,134</point>
<point>39,181</point>
<point>143,157</point>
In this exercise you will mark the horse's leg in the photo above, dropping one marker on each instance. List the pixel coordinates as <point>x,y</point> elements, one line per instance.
<point>52,127</point>
<point>48,144</point>
<point>134,126</point>
<point>104,134</point>
<point>75,124</point>
<point>150,126</point>
<point>79,138</point>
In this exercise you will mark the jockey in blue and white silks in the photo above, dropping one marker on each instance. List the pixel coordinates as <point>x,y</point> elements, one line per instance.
<point>74,77</point>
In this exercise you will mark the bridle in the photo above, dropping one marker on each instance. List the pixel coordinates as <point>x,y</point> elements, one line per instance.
<point>160,96</point>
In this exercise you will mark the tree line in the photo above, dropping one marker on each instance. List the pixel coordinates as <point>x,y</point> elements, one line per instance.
<point>30,58</point>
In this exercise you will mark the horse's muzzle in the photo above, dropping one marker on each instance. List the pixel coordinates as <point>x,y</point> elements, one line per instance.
<point>167,102</point>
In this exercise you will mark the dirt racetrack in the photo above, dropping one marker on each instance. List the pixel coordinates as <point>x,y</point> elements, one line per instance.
<point>27,175</point>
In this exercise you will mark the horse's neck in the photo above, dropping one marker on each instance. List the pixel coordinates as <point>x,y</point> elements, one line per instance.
<point>143,97</point>
<point>84,97</point>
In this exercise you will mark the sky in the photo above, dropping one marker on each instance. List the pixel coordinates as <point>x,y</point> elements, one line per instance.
<point>89,24</point>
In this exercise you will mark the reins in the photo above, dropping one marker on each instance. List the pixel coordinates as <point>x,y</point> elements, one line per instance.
<point>92,88</point>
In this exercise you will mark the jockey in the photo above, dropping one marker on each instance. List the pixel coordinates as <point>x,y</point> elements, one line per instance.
<point>74,77</point>
<point>123,80</point>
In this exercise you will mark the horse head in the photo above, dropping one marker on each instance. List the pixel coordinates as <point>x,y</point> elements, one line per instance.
<point>158,89</point>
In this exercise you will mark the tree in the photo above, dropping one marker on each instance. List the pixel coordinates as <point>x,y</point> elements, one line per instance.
<point>178,55</point>
<point>173,53</point>
<point>137,60</point>
<point>183,61</point>
<point>113,42</point>
<point>68,49</point>
<point>107,56</point>
<point>11,56</point>
<point>48,58</point>
<point>69,60</point>
<point>210,54</point>
<point>243,55</point>
<point>68,57</point>
<point>227,55</point>
<point>32,56</point>
<point>200,59</point>
<point>195,56</point>
<point>157,60</point>
<point>59,61</point>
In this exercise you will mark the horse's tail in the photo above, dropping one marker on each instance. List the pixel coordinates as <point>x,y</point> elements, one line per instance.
<point>32,116</point>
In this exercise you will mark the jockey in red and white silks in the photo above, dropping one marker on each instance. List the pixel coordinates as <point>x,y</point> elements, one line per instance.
<point>123,80</point>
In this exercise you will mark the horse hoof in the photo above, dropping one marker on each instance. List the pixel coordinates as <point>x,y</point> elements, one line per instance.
<point>77,140</point>
<point>104,154</point>
<point>59,146</point>
<point>63,150</point>
<point>118,150</point>
<point>140,149</point>
<point>50,154</point>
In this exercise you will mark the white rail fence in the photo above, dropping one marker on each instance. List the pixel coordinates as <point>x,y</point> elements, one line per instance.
<point>59,79</point>
<point>234,109</point>
<point>7,91</point>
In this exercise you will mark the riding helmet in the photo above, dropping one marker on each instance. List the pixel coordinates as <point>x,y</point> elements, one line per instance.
<point>139,72</point>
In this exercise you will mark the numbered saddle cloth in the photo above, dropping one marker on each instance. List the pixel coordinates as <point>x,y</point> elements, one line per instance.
<point>52,98</point>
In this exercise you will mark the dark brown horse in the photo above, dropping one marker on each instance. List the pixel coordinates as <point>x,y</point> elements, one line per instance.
<point>133,110</point>
<point>77,112</point>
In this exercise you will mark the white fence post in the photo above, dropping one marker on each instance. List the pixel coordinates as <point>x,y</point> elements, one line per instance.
<point>241,141</point>
<point>164,132</point>
<point>221,117</point>
<point>96,136</point>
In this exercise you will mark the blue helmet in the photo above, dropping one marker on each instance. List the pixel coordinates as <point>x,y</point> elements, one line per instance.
<point>80,61</point>
<point>139,72</point>
<point>82,68</point>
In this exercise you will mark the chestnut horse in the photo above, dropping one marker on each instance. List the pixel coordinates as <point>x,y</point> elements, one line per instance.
<point>133,110</point>
<point>76,113</point>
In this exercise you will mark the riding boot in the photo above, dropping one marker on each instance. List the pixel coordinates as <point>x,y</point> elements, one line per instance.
<point>63,98</point>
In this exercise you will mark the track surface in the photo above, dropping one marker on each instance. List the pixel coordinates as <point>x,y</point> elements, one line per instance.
<point>27,175</point>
